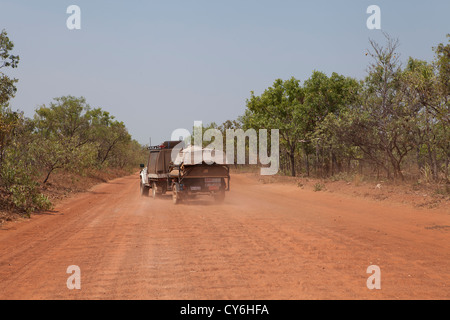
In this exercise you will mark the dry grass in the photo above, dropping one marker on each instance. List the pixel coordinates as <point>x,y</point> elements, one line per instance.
<point>65,184</point>
<point>62,184</point>
<point>417,194</point>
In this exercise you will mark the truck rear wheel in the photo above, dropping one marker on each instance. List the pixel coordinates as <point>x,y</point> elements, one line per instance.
<point>154,190</point>
<point>144,190</point>
<point>176,197</point>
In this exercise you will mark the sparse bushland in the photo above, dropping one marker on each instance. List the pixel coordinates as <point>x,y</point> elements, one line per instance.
<point>392,125</point>
<point>66,137</point>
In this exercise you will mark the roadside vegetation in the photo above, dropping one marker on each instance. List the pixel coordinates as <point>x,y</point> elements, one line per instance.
<point>391,126</point>
<point>65,136</point>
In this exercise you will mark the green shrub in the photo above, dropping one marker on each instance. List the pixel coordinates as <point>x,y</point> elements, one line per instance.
<point>319,187</point>
<point>19,184</point>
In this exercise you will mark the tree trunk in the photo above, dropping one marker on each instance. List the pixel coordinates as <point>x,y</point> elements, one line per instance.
<point>48,175</point>
<point>317,159</point>
<point>398,170</point>
<point>419,160</point>
<point>435,167</point>
<point>292,158</point>
<point>307,164</point>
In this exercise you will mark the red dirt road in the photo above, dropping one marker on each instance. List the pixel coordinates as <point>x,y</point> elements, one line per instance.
<point>267,241</point>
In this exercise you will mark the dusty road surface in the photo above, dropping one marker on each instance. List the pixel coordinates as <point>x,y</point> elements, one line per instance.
<point>267,241</point>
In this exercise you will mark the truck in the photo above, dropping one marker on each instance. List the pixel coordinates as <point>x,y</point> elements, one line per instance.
<point>155,176</point>
<point>185,176</point>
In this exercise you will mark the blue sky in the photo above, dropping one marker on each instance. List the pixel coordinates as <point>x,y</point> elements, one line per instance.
<point>160,65</point>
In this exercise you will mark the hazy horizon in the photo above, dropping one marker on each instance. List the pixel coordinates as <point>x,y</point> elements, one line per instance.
<point>160,66</point>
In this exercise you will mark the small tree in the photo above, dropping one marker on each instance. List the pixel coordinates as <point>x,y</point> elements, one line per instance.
<point>279,107</point>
